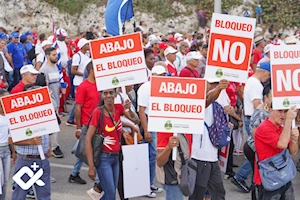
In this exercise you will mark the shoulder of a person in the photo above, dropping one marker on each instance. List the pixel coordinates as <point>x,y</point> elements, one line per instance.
<point>119,106</point>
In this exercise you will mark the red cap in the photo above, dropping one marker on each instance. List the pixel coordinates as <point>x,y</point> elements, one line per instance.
<point>163,45</point>
<point>171,39</point>
<point>73,43</point>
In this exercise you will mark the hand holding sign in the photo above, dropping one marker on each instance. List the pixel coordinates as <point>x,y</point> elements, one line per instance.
<point>292,113</point>
<point>37,140</point>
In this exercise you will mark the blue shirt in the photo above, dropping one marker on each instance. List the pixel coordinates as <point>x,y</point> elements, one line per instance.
<point>17,52</point>
<point>258,10</point>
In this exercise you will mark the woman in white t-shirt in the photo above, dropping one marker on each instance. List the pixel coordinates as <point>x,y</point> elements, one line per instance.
<point>5,159</point>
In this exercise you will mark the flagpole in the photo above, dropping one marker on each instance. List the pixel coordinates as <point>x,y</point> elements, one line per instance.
<point>123,29</point>
<point>218,6</point>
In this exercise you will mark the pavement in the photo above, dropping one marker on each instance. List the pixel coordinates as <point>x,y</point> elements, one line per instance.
<point>61,169</point>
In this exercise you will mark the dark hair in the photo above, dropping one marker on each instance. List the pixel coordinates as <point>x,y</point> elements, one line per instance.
<point>42,36</point>
<point>31,86</point>
<point>267,88</point>
<point>49,50</point>
<point>145,35</point>
<point>101,103</point>
<point>89,66</point>
<point>141,23</point>
<point>205,46</point>
<point>3,91</point>
<point>147,52</point>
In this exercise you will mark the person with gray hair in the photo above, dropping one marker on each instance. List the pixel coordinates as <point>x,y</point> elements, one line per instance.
<point>180,61</point>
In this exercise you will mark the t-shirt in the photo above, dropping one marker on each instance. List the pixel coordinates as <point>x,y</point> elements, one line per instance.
<point>18,88</point>
<point>171,68</point>
<point>180,61</point>
<point>202,148</point>
<point>80,60</point>
<point>163,140</point>
<point>253,90</point>
<point>52,77</point>
<point>257,55</point>
<point>41,58</point>
<point>4,130</point>
<point>38,48</point>
<point>88,96</point>
<point>144,95</point>
<point>17,52</point>
<point>188,72</point>
<point>63,49</point>
<point>109,128</point>
<point>266,138</point>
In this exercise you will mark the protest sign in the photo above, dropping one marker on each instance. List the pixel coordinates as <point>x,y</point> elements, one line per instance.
<point>285,74</point>
<point>30,114</point>
<point>230,46</point>
<point>177,105</point>
<point>118,61</point>
<point>223,158</point>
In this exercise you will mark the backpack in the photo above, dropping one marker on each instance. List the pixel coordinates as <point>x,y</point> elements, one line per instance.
<point>219,131</point>
<point>31,54</point>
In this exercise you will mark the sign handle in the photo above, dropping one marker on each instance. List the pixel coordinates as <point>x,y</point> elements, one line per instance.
<point>42,155</point>
<point>174,152</point>
<point>294,123</point>
<point>135,138</point>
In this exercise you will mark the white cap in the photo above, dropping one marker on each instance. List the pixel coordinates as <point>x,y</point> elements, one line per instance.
<point>267,48</point>
<point>193,55</point>
<point>50,38</point>
<point>82,42</point>
<point>46,42</point>
<point>178,35</point>
<point>291,40</point>
<point>28,68</point>
<point>154,39</point>
<point>62,32</point>
<point>158,69</point>
<point>170,50</point>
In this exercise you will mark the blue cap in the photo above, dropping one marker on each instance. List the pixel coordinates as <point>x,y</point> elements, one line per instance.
<point>265,66</point>
<point>3,36</point>
<point>23,37</point>
<point>15,34</point>
<point>28,33</point>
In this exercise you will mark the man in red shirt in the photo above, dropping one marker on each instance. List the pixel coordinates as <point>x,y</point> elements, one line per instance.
<point>29,75</point>
<point>170,54</point>
<point>270,139</point>
<point>258,51</point>
<point>192,59</point>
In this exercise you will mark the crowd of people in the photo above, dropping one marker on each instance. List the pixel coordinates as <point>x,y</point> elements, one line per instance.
<point>30,60</point>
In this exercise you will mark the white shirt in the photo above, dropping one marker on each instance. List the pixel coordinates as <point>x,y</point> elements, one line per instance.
<point>280,42</point>
<point>63,49</point>
<point>41,58</point>
<point>38,48</point>
<point>253,90</point>
<point>81,60</point>
<point>180,62</point>
<point>202,148</point>
<point>264,59</point>
<point>223,98</point>
<point>4,130</point>
<point>143,96</point>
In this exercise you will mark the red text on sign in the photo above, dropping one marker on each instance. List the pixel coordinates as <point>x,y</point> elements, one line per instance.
<point>286,54</point>
<point>36,115</point>
<point>236,26</point>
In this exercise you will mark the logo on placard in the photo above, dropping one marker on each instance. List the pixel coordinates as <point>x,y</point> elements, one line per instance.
<point>219,73</point>
<point>115,81</point>
<point>28,132</point>
<point>34,178</point>
<point>286,103</point>
<point>168,125</point>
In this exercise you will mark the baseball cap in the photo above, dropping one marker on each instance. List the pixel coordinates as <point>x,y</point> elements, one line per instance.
<point>163,45</point>
<point>28,68</point>
<point>267,48</point>
<point>61,32</point>
<point>265,66</point>
<point>82,42</point>
<point>171,39</point>
<point>178,35</point>
<point>46,42</point>
<point>3,36</point>
<point>258,39</point>
<point>170,50</point>
<point>193,55</point>
<point>27,33</point>
<point>158,69</point>
<point>23,38</point>
<point>15,35</point>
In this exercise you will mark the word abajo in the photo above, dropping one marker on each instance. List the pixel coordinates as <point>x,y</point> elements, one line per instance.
<point>110,47</point>
<point>170,87</point>
<point>236,26</point>
<point>26,100</point>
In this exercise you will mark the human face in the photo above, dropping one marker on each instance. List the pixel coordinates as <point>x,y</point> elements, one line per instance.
<point>67,40</point>
<point>53,57</point>
<point>150,60</point>
<point>266,75</point>
<point>204,52</point>
<point>29,77</point>
<point>2,44</point>
<point>171,57</point>
<point>109,96</point>
<point>184,48</point>
<point>86,47</point>
<point>278,116</point>
<point>15,39</point>
<point>194,63</point>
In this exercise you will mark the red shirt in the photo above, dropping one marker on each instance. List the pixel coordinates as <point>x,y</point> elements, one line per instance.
<point>18,88</point>
<point>171,69</point>
<point>88,96</point>
<point>257,55</point>
<point>109,128</point>
<point>231,91</point>
<point>266,139</point>
<point>188,72</point>
<point>163,140</point>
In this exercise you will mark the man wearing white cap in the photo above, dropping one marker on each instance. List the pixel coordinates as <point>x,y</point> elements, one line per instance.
<point>192,59</point>
<point>63,49</point>
<point>28,74</point>
<point>180,61</point>
<point>266,57</point>
<point>170,54</point>
<point>41,58</point>
<point>150,137</point>
<point>79,62</point>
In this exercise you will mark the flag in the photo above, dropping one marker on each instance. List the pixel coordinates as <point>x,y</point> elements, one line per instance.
<point>117,12</point>
<point>53,32</point>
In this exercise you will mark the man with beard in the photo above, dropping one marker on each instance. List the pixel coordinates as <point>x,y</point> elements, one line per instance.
<point>51,72</point>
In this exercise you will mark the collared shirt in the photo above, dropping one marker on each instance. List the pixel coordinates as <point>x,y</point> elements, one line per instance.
<point>33,149</point>
<point>171,68</point>
<point>17,52</point>
<point>180,62</point>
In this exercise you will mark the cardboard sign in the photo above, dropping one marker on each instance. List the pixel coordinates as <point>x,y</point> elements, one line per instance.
<point>223,158</point>
<point>30,114</point>
<point>118,61</point>
<point>177,105</point>
<point>230,46</point>
<point>285,76</point>
<point>136,170</point>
